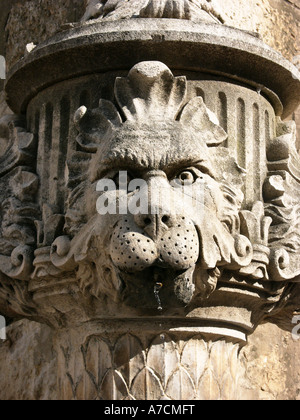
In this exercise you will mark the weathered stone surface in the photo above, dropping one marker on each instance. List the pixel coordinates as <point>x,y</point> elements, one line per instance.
<point>228,266</point>
<point>4,109</point>
<point>28,363</point>
<point>147,364</point>
<point>271,360</point>
<point>269,18</point>
<point>206,49</point>
<point>161,96</point>
<point>206,10</point>
<point>35,21</point>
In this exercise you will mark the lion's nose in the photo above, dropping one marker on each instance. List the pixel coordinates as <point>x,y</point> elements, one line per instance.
<point>154,224</point>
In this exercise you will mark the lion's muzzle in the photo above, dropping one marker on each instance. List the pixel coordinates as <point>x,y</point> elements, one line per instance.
<point>141,241</point>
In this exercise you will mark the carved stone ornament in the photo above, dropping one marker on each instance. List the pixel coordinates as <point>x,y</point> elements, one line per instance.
<point>182,244</point>
<point>150,215</point>
<point>206,10</point>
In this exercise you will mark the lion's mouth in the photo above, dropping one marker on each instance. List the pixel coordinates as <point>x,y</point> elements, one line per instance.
<point>165,271</point>
<point>155,273</point>
<point>158,287</point>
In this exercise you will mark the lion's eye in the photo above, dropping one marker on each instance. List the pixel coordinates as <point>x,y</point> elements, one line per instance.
<point>186,178</point>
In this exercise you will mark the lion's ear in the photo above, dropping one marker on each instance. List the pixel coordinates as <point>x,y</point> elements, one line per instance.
<point>204,121</point>
<point>96,124</point>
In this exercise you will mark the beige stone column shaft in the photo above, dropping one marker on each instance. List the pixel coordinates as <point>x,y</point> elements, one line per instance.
<point>126,360</point>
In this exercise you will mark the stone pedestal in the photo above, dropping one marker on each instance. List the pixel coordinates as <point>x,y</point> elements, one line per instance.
<point>150,360</point>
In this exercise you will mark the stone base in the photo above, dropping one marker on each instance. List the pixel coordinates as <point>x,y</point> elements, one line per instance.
<point>29,366</point>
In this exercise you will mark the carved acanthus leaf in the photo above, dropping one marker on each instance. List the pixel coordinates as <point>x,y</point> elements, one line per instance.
<point>96,124</point>
<point>197,10</point>
<point>255,226</point>
<point>18,214</point>
<point>150,90</point>
<point>15,300</point>
<point>149,93</point>
<point>16,144</point>
<point>172,9</point>
<point>19,264</point>
<point>157,366</point>
<point>18,185</point>
<point>281,194</point>
<point>204,121</point>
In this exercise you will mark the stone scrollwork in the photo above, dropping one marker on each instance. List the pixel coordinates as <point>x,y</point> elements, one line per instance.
<point>19,211</point>
<point>19,184</point>
<point>17,145</point>
<point>273,226</point>
<point>19,264</point>
<point>281,191</point>
<point>255,226</point>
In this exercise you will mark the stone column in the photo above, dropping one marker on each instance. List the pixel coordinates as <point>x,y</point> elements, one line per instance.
<point>150,209</point>
<point>151,360</point>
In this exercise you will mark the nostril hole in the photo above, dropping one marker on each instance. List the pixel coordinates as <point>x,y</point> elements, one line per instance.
<point>165,219</point>
<point>147,221</point>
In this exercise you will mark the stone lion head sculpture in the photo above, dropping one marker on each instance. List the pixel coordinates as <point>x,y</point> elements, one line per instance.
<point>160,196</point>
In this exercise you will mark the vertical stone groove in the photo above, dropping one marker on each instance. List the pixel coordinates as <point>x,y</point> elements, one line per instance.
<point>241,132</point>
